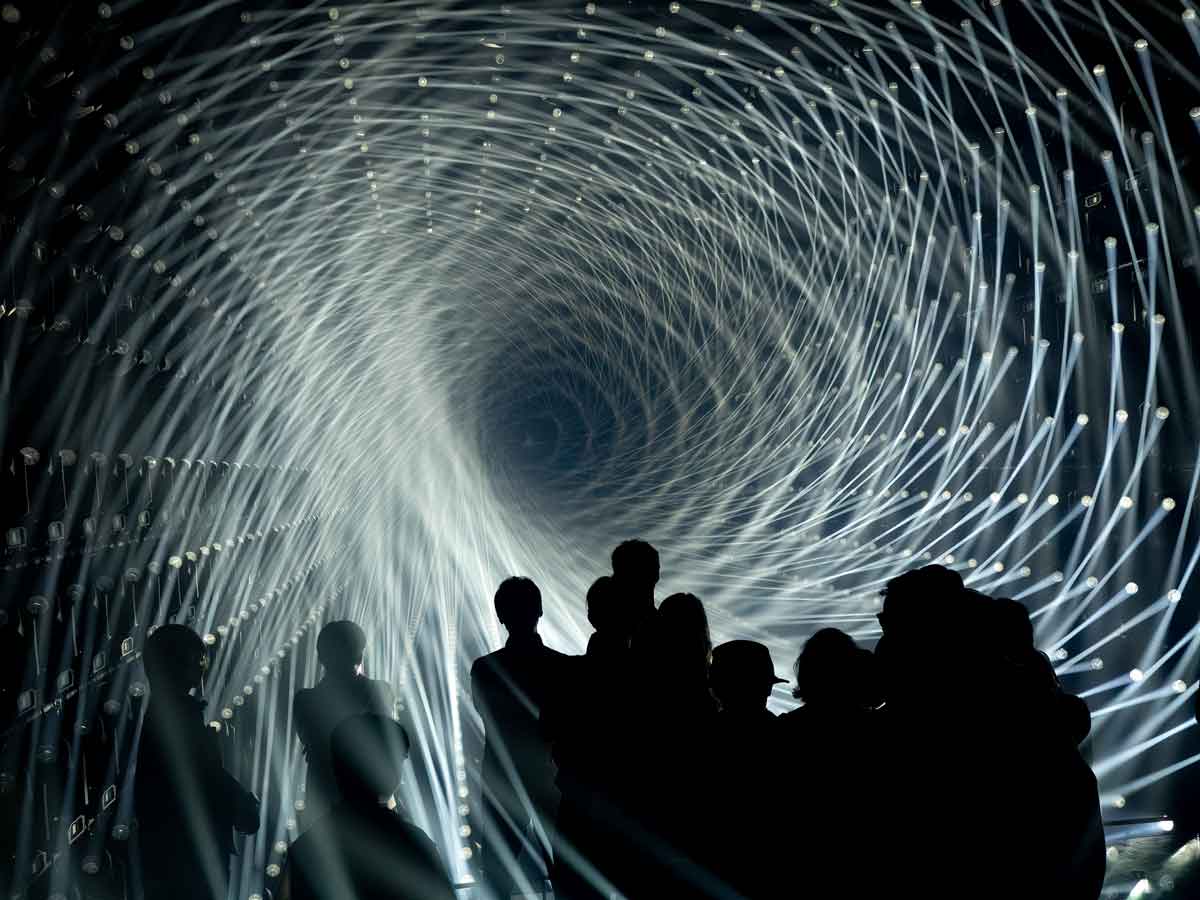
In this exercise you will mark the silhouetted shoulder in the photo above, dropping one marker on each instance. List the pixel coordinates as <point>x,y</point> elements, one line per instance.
<point>366,855</point>
<point>381,698</point>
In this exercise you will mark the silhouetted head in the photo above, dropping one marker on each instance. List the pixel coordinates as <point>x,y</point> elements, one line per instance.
<point>920,602</point>
<point>340,647</point>
<point>518,605</point>
<point>741,675</point>
<point>681,631</point>
<point>367,753</point>
<point>174,659</point>
<point>602,606</point>
<point>1015,626</point>
<point>635,566</point>
<point>829,669</point>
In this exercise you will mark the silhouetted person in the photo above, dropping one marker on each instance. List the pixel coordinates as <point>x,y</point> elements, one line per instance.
<point>743,821</point>
<point>188,806</point>
<point>1025,673</point>
<point>977,749</point>
<point>635,570</point>
<point>586,720</point>
<point>509,688</point>
<point>668,753</point>
<point>831,749</point>
<point>365,849</point>
<point>1037,728</point>
<point>344,691</point>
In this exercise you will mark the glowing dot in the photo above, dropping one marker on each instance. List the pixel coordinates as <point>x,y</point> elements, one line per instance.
<point>1112,854</point>
<point>422,81</point>
<point>280,847</point>
<point>1096,664</point>
<point>1168,503</point>
<point>1131,587</point>
<point>995,498</point>
<point>1179,685</point>
<point>273,870</point>
<point>1022,498</point>
<point>1085,500</point>
<point>1161,413</point>
<point>1173,595</point>
<point>1122,416</point>
<point>1137,676</point>
<point>998,567</point>
<point>590,9</point>
<point>1098,71</point>
<point>1092,581</point>
<point>1052,500</point>
<point>1081,419</point>
<point>1126,503</point>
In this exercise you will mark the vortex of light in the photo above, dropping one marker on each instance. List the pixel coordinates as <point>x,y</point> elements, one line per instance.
<point>389,301</point>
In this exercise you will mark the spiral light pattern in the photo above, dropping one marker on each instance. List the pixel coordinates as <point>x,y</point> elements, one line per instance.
<point>804,294</point>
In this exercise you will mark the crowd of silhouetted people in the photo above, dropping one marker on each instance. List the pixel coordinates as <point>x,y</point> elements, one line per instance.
<point>945,763</point>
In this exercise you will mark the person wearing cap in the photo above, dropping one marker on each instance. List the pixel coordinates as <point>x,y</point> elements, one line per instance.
<point>187,805</point>
<point>344,691</point>
<point>744,827</point>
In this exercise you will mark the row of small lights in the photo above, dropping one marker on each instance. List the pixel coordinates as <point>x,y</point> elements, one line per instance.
<point>280,847</point>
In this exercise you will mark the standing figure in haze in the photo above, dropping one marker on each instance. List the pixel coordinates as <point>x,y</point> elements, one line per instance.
<point>668,751</point>
<point>830,748</point>
<point>188,806</point>
<point>366,849</point>
<point>344,691</point>
<point>587,722</point>
<point>743,823</point>
<point>509,688</point>
<point>635,573</point>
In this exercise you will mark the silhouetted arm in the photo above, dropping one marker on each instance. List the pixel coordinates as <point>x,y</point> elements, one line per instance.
<point>300,721</point>
<point>285,882</point>
<point>244,807</point>
<point>479,692</point>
